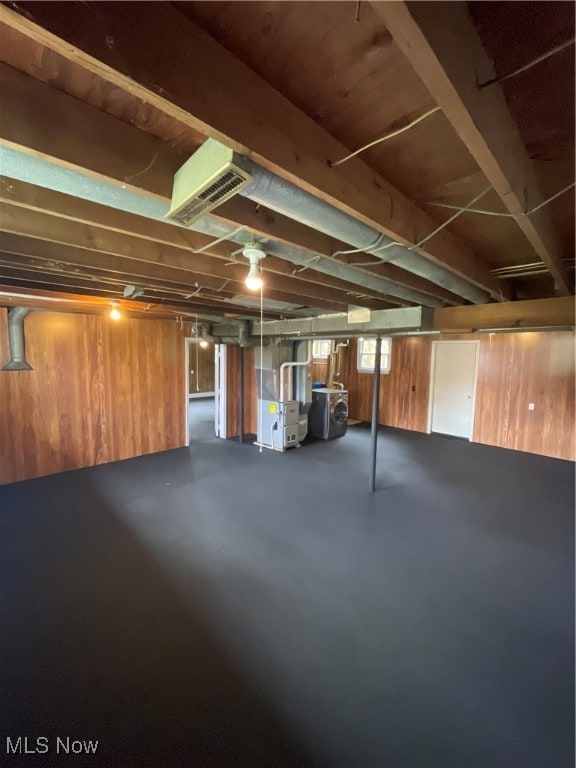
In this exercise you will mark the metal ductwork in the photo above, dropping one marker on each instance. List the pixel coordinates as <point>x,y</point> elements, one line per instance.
<point>206,335</point>
<point>382,322</point>
<point>233,333</point>
<point>16,340</point>
<point>244,337</point>
<point>273,192</point>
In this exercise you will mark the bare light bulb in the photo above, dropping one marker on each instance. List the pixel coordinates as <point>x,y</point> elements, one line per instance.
<point>253,280</point>
<point>115,313</point>
<point>203,343</point>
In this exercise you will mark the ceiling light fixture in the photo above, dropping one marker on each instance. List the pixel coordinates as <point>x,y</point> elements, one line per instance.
<point>115,313</point>
<point>254,254</point>
<point>203,343</point>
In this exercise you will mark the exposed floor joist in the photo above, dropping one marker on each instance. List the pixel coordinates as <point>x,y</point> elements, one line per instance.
<point>38,297</point>
<point>11,269</point>
<point>108,149</point>
<point>222,104</point>
<point>206,271</point>
<point>42,200</point>
<point>441,43</point>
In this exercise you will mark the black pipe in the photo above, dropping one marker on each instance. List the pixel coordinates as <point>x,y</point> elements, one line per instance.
<point>375,403</point>
<point>241,396</point>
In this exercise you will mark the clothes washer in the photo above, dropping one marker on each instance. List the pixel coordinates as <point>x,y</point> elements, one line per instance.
<point>328,417</point>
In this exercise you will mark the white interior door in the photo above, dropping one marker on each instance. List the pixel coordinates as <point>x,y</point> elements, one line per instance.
<point>454,387</point>
<point>220,395</point>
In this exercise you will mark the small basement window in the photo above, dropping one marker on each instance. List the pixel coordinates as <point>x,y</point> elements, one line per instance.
<point>367,355</point>
<point>321,348</point>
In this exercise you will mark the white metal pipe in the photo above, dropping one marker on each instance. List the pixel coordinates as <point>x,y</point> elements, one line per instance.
<point>284,366</point>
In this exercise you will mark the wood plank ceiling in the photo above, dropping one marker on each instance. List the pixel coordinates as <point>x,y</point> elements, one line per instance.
<point>123,93</point>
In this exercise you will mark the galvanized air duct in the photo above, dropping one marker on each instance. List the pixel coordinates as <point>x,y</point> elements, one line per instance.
<point>16,340</point>
<point>242,339</point>
<point>281,196</point>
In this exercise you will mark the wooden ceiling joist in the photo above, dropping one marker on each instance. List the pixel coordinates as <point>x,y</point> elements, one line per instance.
<point>440,41</point>
<point>106,148</point>
<point>87,265</point>
<point>207,271</point>
<point>33,198</point>
<point>230,102</point>
<point>13,293</point>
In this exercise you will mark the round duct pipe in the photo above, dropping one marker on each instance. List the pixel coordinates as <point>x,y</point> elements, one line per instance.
<point>282,196</point>
<point>17,360</point>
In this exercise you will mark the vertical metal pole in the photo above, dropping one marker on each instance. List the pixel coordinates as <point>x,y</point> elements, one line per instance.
<point>375,403</point>
<point>241,396</point>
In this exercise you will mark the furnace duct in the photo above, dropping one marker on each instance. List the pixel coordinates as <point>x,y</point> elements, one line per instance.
<point>17,360</point>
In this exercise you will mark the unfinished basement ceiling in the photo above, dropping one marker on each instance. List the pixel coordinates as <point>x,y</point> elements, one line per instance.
<point>350,77</point>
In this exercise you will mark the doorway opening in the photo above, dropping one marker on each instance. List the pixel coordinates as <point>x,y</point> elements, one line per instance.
<point>200,390</point>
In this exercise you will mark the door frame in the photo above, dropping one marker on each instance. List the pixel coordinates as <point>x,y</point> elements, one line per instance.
<point>220,398</point>
<point>189,341</point>
<point>432,381</point>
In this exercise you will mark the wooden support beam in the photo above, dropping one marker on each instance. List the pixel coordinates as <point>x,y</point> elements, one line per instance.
<point>37,297</point>
<point>539,313</point>
<point>34,198</point>
<point>65,282</point>
<point>45,227</point>
<point>440,41</point>
<point>169,308</point>
<point>233,104</point>
<point>124,152</point>
<point>77,263</point>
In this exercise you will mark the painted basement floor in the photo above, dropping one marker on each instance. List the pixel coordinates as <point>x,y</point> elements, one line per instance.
<point>215,606</point>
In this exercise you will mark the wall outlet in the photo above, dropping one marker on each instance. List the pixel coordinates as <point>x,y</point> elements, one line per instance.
<point>530,406</point>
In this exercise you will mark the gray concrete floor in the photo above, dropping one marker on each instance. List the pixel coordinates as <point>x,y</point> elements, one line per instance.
<point>218,606</point>
<point>201,419</point>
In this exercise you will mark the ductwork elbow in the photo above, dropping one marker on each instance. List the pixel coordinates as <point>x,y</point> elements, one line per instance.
<point>245,338</point>
<point>17,360</point>
<point>205,333</point>
<point>243,333</point>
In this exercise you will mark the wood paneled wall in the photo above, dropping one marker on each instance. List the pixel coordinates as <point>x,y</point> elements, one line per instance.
<point>320,369</point>
<point>99,391</point>
<point>233,388</point>
<point>403,391</point>
<point>201,368</point>
<point>514,369</point>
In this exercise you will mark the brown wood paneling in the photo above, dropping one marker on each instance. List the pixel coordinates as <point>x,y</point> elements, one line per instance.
<point>320,369</point>
<point>514,369</point>
<point>143,365</point>
<point>403,391</point>
<point>201,369</point>
<point>250,391</point>
<point>492,384</point>
<point>522,368</point>
<point>99,391</point>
